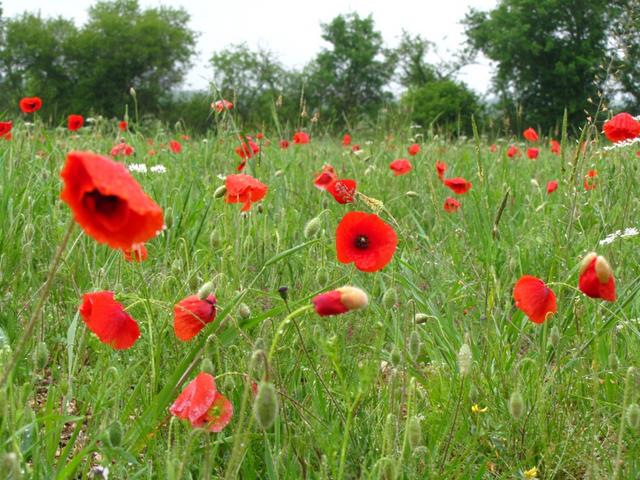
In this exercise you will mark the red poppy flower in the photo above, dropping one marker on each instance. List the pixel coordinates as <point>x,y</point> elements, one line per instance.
<point>413,149</point>
<point>451,205</point>
<point>245,151</point>
<point>107,202</point>
<point>621,127</point>
<point>555,147</point>
<point>596,278</point>
<point>532,153</point>
<point>534,298</point>
<point>108,320</point>
<point>284,144</point>
<point>339,301</point>
<point>5,130</point>
<point>221,105</point>
<point>175,146</point>
<point>402,166</point>
<point>365,240</point>
<point>512,151</point>
<point>355,148</point>
<point>300,138</point>
<point>244,189</point>
<point>123,126</point>
<point>137,253</point>
<point>346,140</point>
<point>530,134</point>
<point>30,104</point>
<point>191,314</point>
<point>75,122</point>
<point>202,404</point>
<point>458,184</point>
<point>342,190</point>
<point>325,178</point>
<point>122,149</point>
<point>185,137</point>
<point>551,186</point>
<point>260,135</point>
<point>589,180</point>
<point>441,167</point>
<point>493,148</point>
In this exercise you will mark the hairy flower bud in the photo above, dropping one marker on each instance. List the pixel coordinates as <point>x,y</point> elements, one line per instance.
<point>414,432</point>
<point>516,405</point>
<point>265,407</point>
<point>465,360</point>
<point>312,227</point>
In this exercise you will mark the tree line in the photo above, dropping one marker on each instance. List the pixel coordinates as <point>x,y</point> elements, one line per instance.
<point>550,55</point>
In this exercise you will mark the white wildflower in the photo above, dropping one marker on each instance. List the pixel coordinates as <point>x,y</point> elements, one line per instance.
<point>137,167</point>
<point>158,169</point>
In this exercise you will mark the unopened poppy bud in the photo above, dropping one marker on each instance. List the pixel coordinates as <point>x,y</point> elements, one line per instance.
<point>312,227</point>
<point>341,300</point>
<point>322,276</point>
<point>516,405</point>
<point>415,345</point>
<point>115,434</point>
<point>206,366</point>
<point>265,407</point>
<point>465,359</point>
<point>633,415</point>
<point>395,356</point>
<point>244,311</point>
<point>390,297</point>
<point>278,173</point>
<point>613,361</point>
<point>387,468</point>
<point>205,290</point>
<point>414,432</point>
<point>256,364</point>
<point>554,336</point>
<point>41,355</point>
<point>390,432</point>
<point>412,194</point>
<point>168,217</point>
<point>220,192</point>
<point>132,92</point>
<point>421,318</point>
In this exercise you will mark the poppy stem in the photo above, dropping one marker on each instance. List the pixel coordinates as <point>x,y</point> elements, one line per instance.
<point>46,289</point>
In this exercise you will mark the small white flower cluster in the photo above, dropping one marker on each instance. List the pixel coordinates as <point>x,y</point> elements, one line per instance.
<point>622,144</point>
<point>635,322</point>
<point>142,168</point>
<point>628,232</point>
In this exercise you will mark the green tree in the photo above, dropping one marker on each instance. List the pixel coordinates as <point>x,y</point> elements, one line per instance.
<point>548,54</point>
<point>122,46</point>
<point>411,57</point>
<point>349,78</point>
<point>625,47</point>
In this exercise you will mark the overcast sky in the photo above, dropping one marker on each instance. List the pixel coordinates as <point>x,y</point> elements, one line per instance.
<point>291,28</point>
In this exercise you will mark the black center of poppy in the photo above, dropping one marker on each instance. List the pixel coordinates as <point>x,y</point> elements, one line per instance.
<point>106,205</point>
<point>362,242</point>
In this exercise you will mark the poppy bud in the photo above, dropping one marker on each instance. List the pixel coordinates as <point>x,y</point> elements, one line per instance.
<point>244,311</point>
<point>278,173</point>
<point>412,194</point>
<point>390,298</point>
<point>265,407</point>
<point>220,192</point>
<point>387,468</point>
<point>613,361</point>
<point>322,276</point>
<point>206,366</point>
<point>205,290</point>
<point>554,336</point>
<point>395,356</point>
<point>415,345</point>
<point>465,359</point>
<point>132,92</point>
<point>115,434</point>
<point>414,432</point>
<point>633,415</point>
<point>312,227</point>
<point>168,217</point>
<point>390,432</point>
<point>341,300</point>
<point>421,318</point>
<point>41,355</point>
<point>516,405</point>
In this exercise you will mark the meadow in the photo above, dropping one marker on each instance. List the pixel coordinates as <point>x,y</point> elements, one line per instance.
<point>440,376</point>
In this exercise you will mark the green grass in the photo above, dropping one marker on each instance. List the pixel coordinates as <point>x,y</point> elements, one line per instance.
<point>458,269</point>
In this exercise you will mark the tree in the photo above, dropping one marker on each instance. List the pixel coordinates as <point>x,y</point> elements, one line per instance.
<point>548,54</point>
<point>625,46</point>
<point>414,69</point>
<point>349,77</point>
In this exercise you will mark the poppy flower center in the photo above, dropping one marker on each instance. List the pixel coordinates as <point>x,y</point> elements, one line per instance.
<point>362,242</point>
<point>110,210</point>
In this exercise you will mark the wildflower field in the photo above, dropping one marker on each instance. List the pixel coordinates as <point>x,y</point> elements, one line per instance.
<point>391,304</point>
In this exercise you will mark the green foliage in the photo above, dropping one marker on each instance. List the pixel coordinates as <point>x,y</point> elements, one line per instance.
<point>410,54</point>
<point>348,79</point>
<point>444,104</point>
<point>549,54</point>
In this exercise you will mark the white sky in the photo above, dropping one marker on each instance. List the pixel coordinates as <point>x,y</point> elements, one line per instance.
<point>291,28</point>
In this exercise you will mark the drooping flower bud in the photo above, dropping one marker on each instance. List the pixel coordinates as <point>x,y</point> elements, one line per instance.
<point>387,468</point>
<point>41,355</point>
<point>415,345</point>
<point>341,300</point>
<point>265,407</point>
<point>465,359</point>
<point>206,366</point>
<point>205,290</point>
<point>633,415</point>
<point>414,432</point>
<point>312,227</point>
<point>220,192</point>
<point>244,311</point>
<point>390,297</point>
<point>395,356</point>
<point>516,405</point>
<point>554,336</point>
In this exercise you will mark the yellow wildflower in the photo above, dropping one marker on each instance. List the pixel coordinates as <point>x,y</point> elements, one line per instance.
<point>476,409</point>
<point>531,474</point>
